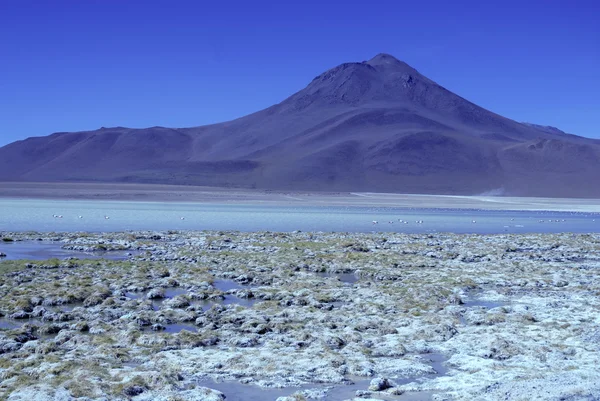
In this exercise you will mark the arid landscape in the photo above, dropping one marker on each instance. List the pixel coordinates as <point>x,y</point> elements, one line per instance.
<point>287,201</point>
<point>302,316</point>
<point>376,126</point>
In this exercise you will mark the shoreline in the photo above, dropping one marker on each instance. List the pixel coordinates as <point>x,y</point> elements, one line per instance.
<point>212,195</point>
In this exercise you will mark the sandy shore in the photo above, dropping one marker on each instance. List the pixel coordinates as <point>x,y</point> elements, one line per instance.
<point>175,193</point>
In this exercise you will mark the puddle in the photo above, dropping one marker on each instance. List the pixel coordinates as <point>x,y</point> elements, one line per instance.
<point>70,307</point>
<point>433,359</point>
<point>417,396</point>
<point>131,364</point>
<point>64,307</point>
<point>229,300</point>
<point>479,302</point>
<point>223,285</point>
<point>171,292</point>
<point>44,250</point>
<point>349,278</point>
<point>232,299</point>
<point>226,285</point>
<point>176,328</point>
<point>474,303</point>
<point>437,362</point>
<point>9,324</point>
<point>173,328</point>
<point>235,391</point>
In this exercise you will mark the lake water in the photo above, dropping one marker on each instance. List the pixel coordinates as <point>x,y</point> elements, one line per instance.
<point>95,216</point>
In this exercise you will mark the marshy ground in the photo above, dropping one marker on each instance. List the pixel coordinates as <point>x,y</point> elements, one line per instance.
<point>206,315</point>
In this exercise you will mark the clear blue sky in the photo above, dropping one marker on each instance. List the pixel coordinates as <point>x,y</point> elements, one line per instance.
<point>82,64</point>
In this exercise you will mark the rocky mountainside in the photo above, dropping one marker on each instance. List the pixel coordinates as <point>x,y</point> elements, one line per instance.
<point>377,125</point>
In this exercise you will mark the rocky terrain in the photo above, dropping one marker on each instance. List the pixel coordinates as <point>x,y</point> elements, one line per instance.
<point>303,316</point>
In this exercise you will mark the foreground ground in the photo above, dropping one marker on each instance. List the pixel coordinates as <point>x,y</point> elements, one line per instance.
<point>443,316</point>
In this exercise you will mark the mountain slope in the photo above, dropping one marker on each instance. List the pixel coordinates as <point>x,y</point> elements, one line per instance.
<point>378,125</point>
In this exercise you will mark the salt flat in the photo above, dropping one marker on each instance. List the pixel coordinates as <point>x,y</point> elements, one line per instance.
<point>180,193</point>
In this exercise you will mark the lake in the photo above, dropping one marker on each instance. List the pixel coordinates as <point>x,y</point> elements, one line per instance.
<point>98,216</point>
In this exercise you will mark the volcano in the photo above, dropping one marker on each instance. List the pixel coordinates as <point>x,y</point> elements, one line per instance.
<point>377,125</point>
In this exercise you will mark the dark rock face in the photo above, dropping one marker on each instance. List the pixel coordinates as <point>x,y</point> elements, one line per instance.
<point>377,125</point>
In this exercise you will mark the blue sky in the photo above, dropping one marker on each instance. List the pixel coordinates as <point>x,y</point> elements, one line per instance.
<point>80,65</point>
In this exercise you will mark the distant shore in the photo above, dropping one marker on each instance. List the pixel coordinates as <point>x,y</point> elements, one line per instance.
<point>180,193</point>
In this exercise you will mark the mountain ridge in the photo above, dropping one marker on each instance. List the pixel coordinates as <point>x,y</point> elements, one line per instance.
<point>376,125</point>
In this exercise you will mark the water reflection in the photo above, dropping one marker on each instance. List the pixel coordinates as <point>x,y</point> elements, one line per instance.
<point>349,278</point>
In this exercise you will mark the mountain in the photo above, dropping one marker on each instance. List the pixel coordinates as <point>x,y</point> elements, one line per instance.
<point>377,125</point>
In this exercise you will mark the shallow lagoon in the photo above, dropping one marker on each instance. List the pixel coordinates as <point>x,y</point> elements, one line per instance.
<point>42,250</point>
<point>96,216</point>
